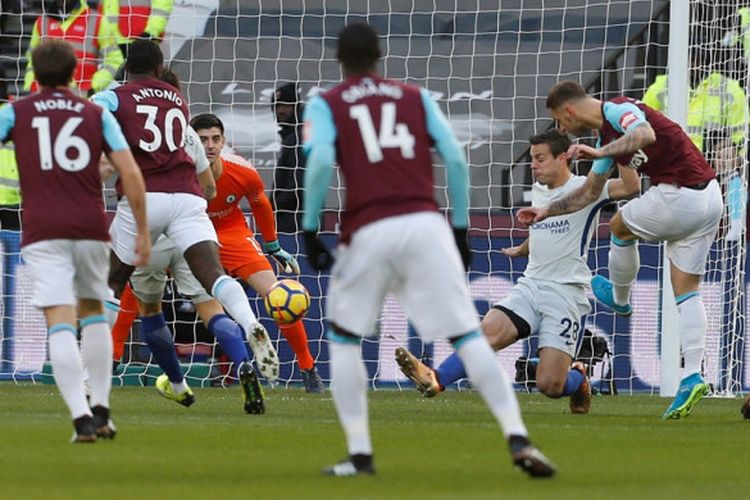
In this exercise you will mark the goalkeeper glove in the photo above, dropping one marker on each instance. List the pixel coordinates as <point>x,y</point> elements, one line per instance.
<point>319,256</point>
<point>287,262</point>
<point>461,236</point>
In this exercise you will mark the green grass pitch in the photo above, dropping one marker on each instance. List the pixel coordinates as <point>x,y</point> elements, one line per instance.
<point>448,447</point>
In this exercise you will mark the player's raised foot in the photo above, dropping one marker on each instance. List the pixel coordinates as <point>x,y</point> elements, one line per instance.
<point>85,431</point>
<point>529,459</point>
<point>353,465</point>
<point>185,398</point>
<point>692,389</point>
<point>602,289</point>
<point>252,392</point>
<point>105,427</point>
<point>746,408</point>
<point>580,400</point>
<point>266,358</point>
<point>422,375</point>
<point>312,381</point>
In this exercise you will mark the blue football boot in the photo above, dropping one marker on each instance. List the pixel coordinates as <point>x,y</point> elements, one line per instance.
<point>602,289</point>
<point>692,389</point>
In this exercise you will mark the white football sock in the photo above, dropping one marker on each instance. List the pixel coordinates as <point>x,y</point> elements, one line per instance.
<point>96,345</point>
<point>624,262</point>
<point>111,310</point>
<point>67,368</point>
<point>691,323</point>
<point>232,297</point>
<point>492,383</point>
<point>349,389</point>
<point>179,387</point>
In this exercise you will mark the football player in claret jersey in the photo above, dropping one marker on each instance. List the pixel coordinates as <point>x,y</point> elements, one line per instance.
<point>240,253</point>
<point>65,242</point>
<point>154,117</point>
<point>393,239</point>
<point>147,289</point>
<point>683,207</point>
<point>550,298</point>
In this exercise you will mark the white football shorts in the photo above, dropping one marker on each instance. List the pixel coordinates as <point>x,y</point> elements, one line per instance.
<point>63,271</point>
<point>414,256</point>
<point>181,216</point>
<point>554,311</point>
<point>687,219</point>
<point>148,282</point>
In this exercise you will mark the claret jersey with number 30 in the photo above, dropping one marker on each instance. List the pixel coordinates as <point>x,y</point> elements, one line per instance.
<point>154,117</point>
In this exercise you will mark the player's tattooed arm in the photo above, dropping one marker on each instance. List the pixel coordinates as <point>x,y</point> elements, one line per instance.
<point>627,186</point>
<point>581,197</point>
<point>208,184</point>
<point>638,138</point>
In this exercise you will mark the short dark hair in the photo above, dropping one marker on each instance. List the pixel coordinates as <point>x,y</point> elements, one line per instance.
<point>54,62</point>
<point>358,48</point>
<point>557,141</point>
<point>166,75</point>
<point>206,120</point>
<point>144,58</point>
<point>563,92</point>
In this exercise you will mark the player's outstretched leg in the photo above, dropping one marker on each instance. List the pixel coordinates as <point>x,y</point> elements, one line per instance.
<point>692,389</point>
<point>423,376</point>
<point>580,400</point>
<point>602,288</point>
<point>746,408</point>
<point>203,260</point>
<point>251,389</point>
<point>494,385</point>
<point>349,389</point>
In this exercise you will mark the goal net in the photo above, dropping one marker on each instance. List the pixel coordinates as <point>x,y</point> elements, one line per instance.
<point>489,65</point>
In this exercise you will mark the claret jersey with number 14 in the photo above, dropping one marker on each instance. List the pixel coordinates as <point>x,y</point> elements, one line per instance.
<point>383,149</point>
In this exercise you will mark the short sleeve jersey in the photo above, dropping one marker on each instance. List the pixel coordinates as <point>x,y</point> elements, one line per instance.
<point>382,148</point>
<point>238,180</point>
<point>558,246</point>
<point>154,118</point>
<point>671,159</point>
<point>62,138</point>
